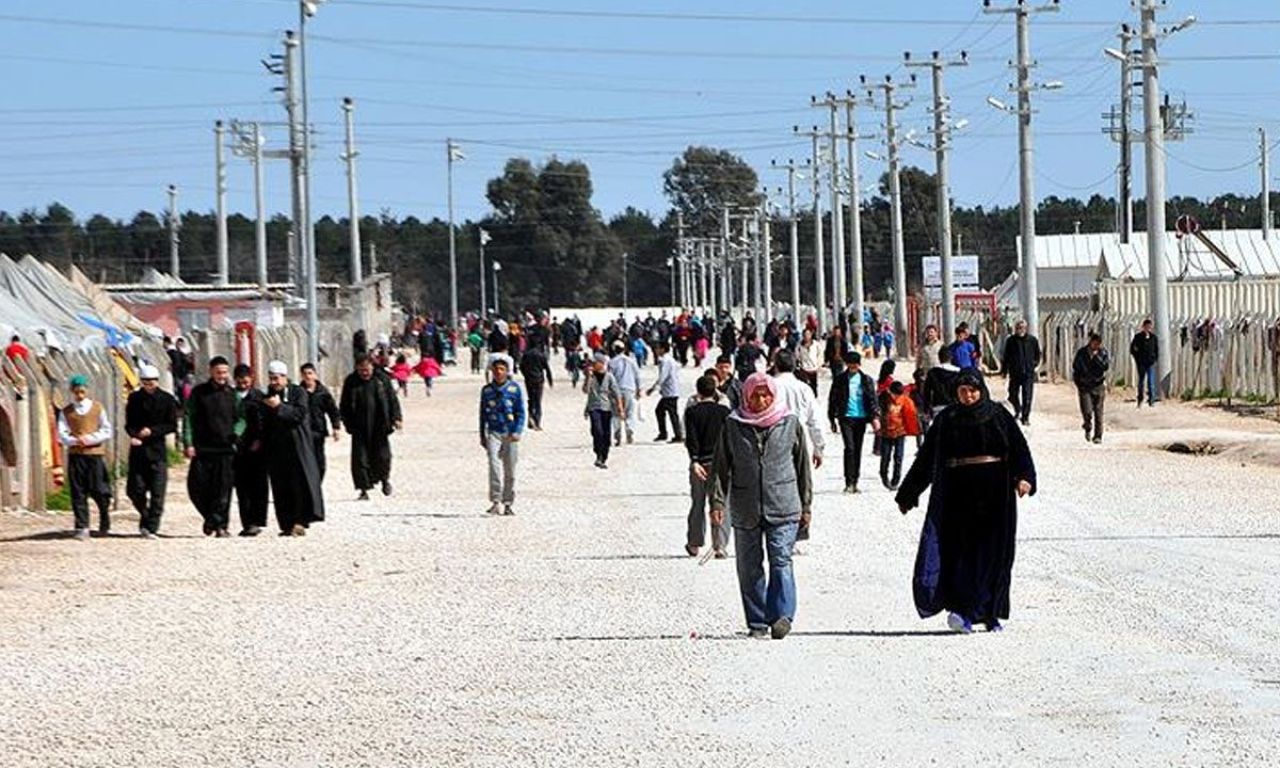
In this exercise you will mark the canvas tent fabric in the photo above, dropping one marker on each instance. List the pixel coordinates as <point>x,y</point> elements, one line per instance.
<point>47,309</point>
<point>1186,258</point>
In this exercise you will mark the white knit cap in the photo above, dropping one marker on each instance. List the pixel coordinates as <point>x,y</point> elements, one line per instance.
<point>277,368</point>
<point>149,373</point>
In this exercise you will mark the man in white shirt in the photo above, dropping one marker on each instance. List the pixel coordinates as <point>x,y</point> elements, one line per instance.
<point>799,398</point>
<point>627,373</point>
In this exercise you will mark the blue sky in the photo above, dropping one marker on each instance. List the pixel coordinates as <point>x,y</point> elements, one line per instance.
<point>102,114</point>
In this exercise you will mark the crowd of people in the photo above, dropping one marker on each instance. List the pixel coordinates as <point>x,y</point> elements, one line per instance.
<point>753,438</point>
<point>751,432</point>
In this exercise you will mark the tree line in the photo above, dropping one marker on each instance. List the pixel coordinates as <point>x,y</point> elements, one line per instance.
<point>556,248</point>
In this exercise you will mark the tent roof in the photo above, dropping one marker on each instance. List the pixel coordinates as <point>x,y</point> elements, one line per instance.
<point>1185,257</point>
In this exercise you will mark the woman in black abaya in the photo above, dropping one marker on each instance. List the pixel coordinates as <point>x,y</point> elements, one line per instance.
<point>978,463</point>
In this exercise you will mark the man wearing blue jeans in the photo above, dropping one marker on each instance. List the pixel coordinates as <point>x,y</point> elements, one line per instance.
<point>1145,350</point>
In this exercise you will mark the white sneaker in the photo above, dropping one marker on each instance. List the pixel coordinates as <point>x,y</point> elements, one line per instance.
<point>958,623</point>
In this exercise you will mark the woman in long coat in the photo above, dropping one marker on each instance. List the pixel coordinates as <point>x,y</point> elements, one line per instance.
<point>978,463</point>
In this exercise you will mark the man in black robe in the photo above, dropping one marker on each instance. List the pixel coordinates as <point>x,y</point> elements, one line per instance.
<point>251,461</point>
<point>149,415</point>
<point>370,412</point>
<point>537,372</point>
<point>212,426</point>
<point>977,461</point>
<point>291,463</point>
<point>324,411</point>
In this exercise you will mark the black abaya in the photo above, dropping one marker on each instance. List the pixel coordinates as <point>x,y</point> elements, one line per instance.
<point>966,551</point>
<point>370,410</point>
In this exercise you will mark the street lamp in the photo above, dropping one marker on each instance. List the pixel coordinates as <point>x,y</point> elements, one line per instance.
<point>497,302</point>
<point>671,265</point>
<point>307,9</point>
<point>454,152</point>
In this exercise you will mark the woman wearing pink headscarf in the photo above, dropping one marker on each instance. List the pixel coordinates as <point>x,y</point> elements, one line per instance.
<point>762,471</point>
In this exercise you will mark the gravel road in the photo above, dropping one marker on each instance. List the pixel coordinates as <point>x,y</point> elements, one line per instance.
<point>416,631</point>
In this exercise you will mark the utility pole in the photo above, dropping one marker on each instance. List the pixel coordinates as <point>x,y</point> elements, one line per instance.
<point>1027,203</point>
<point>855,210</point>
<point>888,89</point>
<point>1154,130</point>
<point>249,143</point>
<point>1121,131</point>
<point>766,262</point>
<point>726,296</point>
<point>353,205</point>
<point>830,103</point>
<point>285,66</point>
<point>819,264</point>
<point>484,300</point>
<point>220,161</point>
<point>679,264</point>
<point>497,303</point>
<point>373,261</point>
<point>307,9</point>
<point>175,265</point>
<point>624,282</point>
<point>794,252</point>
<point>453,153</point>
<point>744,267</point>
<point>942,128</point>
<point>1266,183</point>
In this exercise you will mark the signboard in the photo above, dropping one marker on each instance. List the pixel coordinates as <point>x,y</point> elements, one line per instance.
<point>964,275</point>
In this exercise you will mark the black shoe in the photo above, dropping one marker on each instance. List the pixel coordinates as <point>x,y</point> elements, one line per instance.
<point>1097,439</point>
<point>886,482</point>
<point>617,441</point>
<point>364,496</point>
<point>251,531</point>
<point>781,628</point>
<point>851,488</point>
<point>660,439</point>
<point>386,487</point>
<point>758,633</point>
<point>677,440</point>
<point>104,524</point>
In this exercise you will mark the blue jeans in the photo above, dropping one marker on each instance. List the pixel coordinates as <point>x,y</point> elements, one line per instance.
<point>766,601</point>
<point>1147,377</point>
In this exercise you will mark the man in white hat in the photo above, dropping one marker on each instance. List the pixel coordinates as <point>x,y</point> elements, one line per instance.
<point>150,416</point>
<point>291,461</point>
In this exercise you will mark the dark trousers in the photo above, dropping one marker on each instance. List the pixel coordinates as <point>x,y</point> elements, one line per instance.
<point>251,489</point>
<point>891,449</point>
<point>1021,391</point>
<point>210,481</point>
<point>148,480</point>
<point>669,406</point>
<point>88,478</point>
<point>700,498</point>
<point>601,423</point>
<point>318,444</point>
<point>1092,401</point>
<point>852,431</point>
<point>534,392</point>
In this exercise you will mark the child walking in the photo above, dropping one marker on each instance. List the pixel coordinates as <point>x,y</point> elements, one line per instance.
<point>428,368</point>
<point>400,372</point>
<point>898,421</point>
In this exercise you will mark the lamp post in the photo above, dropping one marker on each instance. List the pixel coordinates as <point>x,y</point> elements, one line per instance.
<point>497,302</point>
<point>307,9</point>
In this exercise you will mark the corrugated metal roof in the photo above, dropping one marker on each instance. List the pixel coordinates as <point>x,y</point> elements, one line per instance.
<point>1186,258</point>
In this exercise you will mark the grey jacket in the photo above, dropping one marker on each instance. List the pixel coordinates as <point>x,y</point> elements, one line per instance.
<point>602,396</point>
<point>764,473</point>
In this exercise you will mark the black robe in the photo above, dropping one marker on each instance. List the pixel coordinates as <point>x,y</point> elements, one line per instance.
<point>965,559</point>
<point>370,410</point>
<point>291,461</point>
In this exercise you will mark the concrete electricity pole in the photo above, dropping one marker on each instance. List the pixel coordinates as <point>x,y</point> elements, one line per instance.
<point>726,295</point>
<point>353,205</point>
<point>220,161</point>
<point>819,263</point>
<point>830,103</point>
<point>1266,183</point>
<point>888,89</point>
<point>452,153</point>
<point>1027,203</point>
<point>766,261</point>
<point>1121,132</point>
<point>175,264</point>
<point>855,209</point>
<point>284,65</point>
<point>1154,131</point>
<point>679,264</point>
<point>484,300</point>
<point>625,302</point>
<point>307,9</point>
<point>942,128</point>
<point>794,252</point>
<point>249,143</point>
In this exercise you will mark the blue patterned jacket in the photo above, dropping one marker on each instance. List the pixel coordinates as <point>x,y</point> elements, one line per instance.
<point>502,409</point>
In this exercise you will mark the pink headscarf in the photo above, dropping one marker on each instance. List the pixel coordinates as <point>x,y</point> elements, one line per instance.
<point>766,418</point>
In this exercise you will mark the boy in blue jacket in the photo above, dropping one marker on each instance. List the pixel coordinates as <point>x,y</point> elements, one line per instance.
<point>502,420</point>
